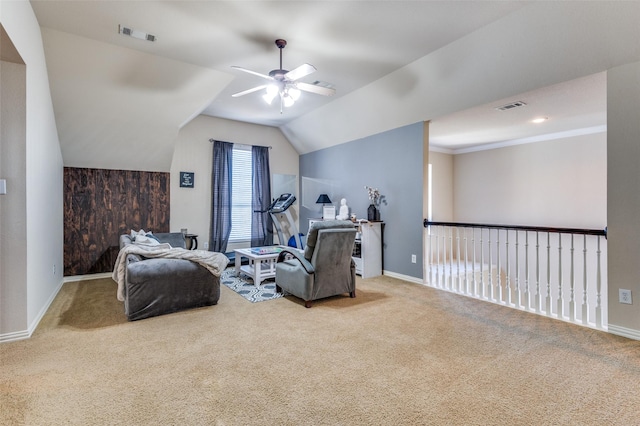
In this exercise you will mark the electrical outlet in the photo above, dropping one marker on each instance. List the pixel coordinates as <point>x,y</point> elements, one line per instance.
<point>413,258</point>
<point>625,296</point>
<point>54,269</point>
<point>206,246</point>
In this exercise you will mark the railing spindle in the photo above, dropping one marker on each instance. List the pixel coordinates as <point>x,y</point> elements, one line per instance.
<point>459,280</point>
<point>491,292</point>
<point>451,282</point>
<point>599,322</point>
<point>548,299</point>
<point>508,283</point>
<point>585,300</point>
<point>437,231</point>
<point>518,294</point>
<point>498,274</point>
<point>473,266</point>
<point>482,292</point>
<point>466,262</point>
<point>527,293</point>
<point>537,298</point>
<point>572,278</point>
<point>560,312</point>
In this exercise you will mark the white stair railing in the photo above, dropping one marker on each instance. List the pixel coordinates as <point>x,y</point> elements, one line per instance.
<point>535,269</point>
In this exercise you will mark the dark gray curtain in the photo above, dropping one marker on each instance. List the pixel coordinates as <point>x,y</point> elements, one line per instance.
<point>221,196</point>
<point>261,226</point>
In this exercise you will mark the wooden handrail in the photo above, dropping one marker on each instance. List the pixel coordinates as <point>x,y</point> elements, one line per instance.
<point>600,232</point>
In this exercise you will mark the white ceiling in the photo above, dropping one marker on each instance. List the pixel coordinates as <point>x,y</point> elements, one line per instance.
<point>351,43</point>
<point>574,107</point>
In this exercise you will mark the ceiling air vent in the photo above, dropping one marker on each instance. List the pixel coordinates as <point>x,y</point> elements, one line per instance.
<point>141,35</point>
<point>512,105</point>
<point>323,84</point>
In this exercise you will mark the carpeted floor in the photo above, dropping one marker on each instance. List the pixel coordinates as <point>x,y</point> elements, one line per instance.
<point>399,353</point>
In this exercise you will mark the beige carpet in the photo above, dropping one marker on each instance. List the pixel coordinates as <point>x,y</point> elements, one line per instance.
<point>399,353</point>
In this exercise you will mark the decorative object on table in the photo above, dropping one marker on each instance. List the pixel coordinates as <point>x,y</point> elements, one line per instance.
<point>344,210</point>
<point>328,212</point>
<point>353,217</point>
<point>187,179</point>
<point>373,214</point>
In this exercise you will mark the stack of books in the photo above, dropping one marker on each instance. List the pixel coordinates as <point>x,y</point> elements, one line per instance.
<point>266,250</point>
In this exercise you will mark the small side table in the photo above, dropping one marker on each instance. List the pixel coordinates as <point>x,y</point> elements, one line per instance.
<point>262,263</point>
<point>192,241</point>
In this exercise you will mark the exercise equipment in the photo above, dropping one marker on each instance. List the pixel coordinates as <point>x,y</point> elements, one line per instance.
<point>279,211</point>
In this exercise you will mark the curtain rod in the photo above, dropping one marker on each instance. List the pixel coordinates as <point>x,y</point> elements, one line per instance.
<point>241,144</point>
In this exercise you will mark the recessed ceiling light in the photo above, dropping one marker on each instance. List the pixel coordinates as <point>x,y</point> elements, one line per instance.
<point>539,120</point>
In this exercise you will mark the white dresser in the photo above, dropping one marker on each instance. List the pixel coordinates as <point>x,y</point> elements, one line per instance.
<point>367,250</point>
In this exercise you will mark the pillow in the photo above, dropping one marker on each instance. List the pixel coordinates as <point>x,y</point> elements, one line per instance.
<point>146,240</point>
<point>134,234</point>
<point>312,237</point>
<point>143,237</point>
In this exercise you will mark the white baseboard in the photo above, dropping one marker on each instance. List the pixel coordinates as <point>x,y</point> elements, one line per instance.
<point>87,277</point>
<point>13,336</point>
<point>25,334</point>
<point>629,333</point>
<point>403,277</point>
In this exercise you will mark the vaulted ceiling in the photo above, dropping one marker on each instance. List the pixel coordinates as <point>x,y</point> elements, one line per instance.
<point>113,93</point>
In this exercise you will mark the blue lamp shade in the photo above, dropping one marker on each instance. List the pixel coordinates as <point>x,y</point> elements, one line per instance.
<point>323,199</point>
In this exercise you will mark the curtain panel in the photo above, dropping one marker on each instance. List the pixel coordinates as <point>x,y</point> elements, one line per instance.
<point>222,169</point>
<point>261,223</point>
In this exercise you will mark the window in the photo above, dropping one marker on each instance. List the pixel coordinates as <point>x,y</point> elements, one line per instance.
<point>241,196</point>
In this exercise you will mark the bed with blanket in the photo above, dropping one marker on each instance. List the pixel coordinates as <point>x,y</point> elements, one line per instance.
<point>157,275</point>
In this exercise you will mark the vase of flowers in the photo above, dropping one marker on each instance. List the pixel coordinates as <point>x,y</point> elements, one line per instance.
<point>373,214</point>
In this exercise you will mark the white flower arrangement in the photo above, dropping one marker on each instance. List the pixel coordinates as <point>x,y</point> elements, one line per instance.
<point>374,195</point>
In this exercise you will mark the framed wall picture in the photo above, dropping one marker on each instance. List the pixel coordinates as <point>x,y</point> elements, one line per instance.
<point>329,212</point>
<point>187,179</point>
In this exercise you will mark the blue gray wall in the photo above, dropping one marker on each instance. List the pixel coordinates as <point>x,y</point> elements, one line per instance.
<point>390,161</point>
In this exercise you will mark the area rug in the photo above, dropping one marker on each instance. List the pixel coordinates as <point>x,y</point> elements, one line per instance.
<point>244,286</point>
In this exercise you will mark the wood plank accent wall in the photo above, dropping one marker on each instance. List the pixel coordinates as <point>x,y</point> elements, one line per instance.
<point>100,205</point>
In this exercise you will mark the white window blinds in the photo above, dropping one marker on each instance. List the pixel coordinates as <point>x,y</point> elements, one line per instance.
<point>241,195</point>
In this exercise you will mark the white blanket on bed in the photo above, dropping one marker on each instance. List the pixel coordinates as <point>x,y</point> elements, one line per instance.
<point>213,261</point>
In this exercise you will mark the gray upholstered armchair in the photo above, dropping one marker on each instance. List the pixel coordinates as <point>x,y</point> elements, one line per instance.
<point>326,268</point>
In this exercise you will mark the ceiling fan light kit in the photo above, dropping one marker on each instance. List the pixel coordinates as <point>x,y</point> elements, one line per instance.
<point>284,83</point>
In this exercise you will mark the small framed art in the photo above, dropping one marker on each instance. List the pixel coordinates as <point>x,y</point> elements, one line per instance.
<point>187,179</point>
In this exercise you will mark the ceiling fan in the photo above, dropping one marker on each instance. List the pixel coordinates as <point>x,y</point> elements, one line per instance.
<point>285,83</point>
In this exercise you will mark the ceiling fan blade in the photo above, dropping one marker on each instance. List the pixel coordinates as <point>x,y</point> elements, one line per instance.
<point>302,71</point>
<point>319,90</point>
<point>268,77</point>
<point>246,92</point>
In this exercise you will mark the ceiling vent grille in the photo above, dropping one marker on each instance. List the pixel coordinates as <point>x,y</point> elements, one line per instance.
<point>512,105</point>
<point>323,84</point>
<point>141,35</point>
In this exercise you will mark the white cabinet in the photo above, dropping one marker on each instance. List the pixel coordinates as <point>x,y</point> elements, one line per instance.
<point>367,252</point>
